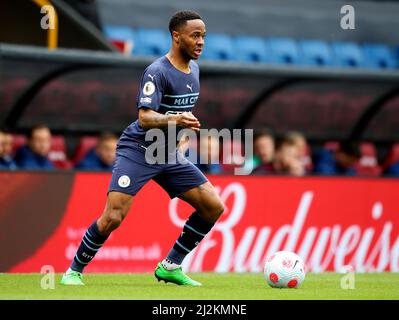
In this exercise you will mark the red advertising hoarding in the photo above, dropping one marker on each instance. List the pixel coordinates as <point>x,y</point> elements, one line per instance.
<point>329,222</point>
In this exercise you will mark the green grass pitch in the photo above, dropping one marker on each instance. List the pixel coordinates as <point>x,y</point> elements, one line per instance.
<point>229,286</point>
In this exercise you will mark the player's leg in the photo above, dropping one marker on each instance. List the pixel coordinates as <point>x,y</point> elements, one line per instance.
<point>208,208</point>
<point>189,184</point>
<point>116,209</point>
<point>129,175</point>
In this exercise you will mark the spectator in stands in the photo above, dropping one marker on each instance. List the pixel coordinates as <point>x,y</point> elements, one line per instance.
<point>102,157</point>
<point>341,162</point>
<point>208,155</point>
<point>6,161</point>
<point>393,170</point>
<point>288,158</point>
<point>264,149</point>
<point>34,155</point>
<point>300,141</point>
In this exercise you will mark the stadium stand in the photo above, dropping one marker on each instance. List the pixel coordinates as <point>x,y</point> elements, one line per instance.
<point>250,49</point>
<point>392,157</point>
<point>284,50</point>
<point>58,153</point>
<point>380,56</point>
<point>219,47</point>
<point>85,145</point>
<point>348,54</point>
<point>121,37</point>
<point>316,53</point>
<point>152,42</point>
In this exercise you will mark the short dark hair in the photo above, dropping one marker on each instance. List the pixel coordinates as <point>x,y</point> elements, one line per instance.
<point>264,132</point>
<point>5,130</point>
<point>105,136</point>
<point>37,127</point>
<point>180,18</point>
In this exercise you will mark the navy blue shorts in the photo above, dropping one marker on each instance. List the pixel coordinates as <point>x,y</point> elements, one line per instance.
<point>131,172</point>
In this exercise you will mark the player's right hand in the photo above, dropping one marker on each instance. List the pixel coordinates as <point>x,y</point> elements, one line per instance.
<point>188,120</point>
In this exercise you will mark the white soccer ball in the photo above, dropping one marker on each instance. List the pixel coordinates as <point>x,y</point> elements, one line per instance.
<point>284,269</point>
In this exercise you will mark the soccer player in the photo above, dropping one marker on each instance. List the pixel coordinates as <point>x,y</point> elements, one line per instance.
<point>168,92</point>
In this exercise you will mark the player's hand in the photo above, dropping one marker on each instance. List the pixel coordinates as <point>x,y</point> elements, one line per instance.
<point>188,120</point>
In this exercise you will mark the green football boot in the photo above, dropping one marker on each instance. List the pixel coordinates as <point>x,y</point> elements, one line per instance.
<point>176,276</point>
<point>72,278</point>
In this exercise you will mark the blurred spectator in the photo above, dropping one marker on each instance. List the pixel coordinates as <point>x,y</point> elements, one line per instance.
<point>88,10</point>
<point>341,162</point>
<point>208,160</point>
<point>393,170</point>
<point>300,141</point>
<point>288,158</point>
<point>264,149</point>
<point>6,161</point>
<point>102,156</point>
<point>34,154</point>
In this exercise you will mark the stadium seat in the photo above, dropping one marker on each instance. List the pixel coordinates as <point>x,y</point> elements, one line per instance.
<point>58,154</point>
<point>218,47</point>
<point>250,49</point>
<point>316,53</point>
<point>348,54</point>
<point>308,162</point>
<point>392,157</point>
<point>368,162</point>
<point>283,51</point>
<point>331,145</point>
<point>152,42</point>
<point>231,156</point>
<point>86,143</point>
<point>121,37</point>
<point>18,141</point>
<point>379,56</point>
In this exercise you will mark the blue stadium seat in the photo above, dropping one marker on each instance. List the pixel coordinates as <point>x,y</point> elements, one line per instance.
<point>116,33</point>
<point>284,50</point>
<point>218,47</point>
<point>348,54</point>
<point>250,49</point>
<point>316,53</point>
<point>152,42</point>
<point>379,56</point>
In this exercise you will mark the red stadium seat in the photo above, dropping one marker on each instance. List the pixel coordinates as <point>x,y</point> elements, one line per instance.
<point>308,159</point>
<point>393,156</point>
<point>232,156</point>
<point>368,162</point>
<point>86,144</point>
<point>331,145</point>
<point>18,140</point>
<point>58,154</point>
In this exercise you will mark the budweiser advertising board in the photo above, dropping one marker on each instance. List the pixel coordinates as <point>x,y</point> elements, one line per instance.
<point>329,222</point>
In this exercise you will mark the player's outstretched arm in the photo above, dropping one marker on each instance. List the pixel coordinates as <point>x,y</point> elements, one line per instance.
<point>150,119</point>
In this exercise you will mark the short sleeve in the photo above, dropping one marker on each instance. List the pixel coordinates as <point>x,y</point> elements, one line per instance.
<point>152,87</point>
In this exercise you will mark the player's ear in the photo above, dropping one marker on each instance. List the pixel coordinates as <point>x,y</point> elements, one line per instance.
<point>176,36</point>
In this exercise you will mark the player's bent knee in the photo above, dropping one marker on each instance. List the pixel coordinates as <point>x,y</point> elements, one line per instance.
<point>110,220</point>
<point>219,209</point>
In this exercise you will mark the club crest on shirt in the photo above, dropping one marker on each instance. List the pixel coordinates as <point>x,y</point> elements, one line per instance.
<point>149,88</point>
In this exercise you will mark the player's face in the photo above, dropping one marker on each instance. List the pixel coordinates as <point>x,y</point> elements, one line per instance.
<point>192,38</point>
